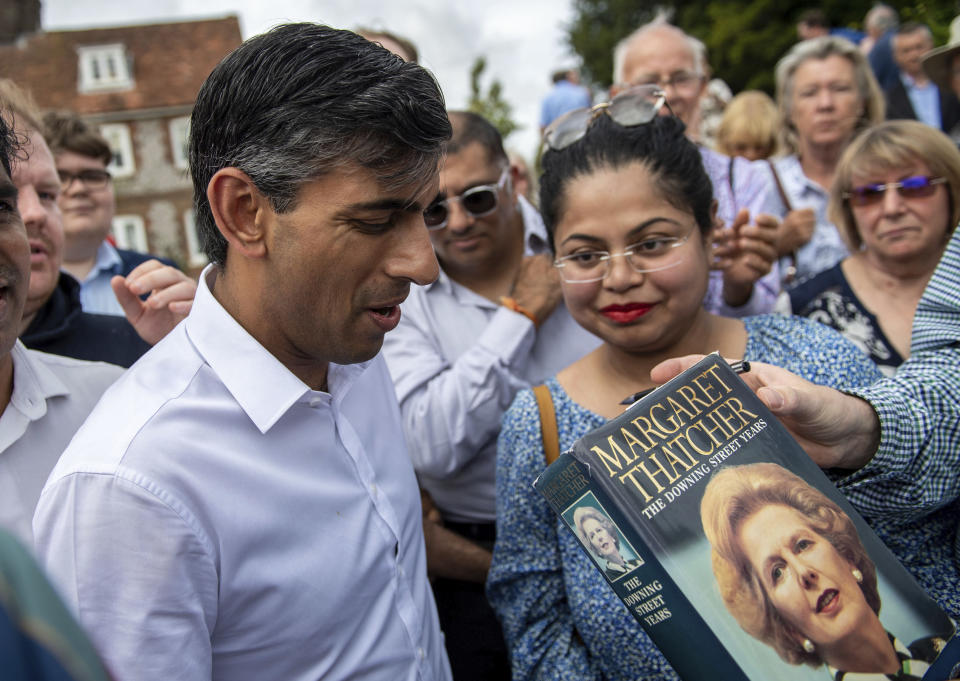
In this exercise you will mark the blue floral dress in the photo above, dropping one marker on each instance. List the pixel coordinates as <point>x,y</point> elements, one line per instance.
<point>560,618</point>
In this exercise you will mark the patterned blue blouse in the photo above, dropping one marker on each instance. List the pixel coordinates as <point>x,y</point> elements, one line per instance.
<point>560,618</point>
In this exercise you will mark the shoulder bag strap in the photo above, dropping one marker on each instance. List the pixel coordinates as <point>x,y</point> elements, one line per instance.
<point>548,423</point>
<point>791,270</point>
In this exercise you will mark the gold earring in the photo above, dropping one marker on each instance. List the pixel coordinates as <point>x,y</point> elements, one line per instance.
<point>808,645</point>
<point>857,575</point>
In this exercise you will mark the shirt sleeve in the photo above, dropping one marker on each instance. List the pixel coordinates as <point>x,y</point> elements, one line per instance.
<point>451,409</point>
<point>916,468</point>
<point>136,573</point>
<point>753,190</point>
<point>525,585</point>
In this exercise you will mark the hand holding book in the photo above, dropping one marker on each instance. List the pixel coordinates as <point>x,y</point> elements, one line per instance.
<point>835,429</point>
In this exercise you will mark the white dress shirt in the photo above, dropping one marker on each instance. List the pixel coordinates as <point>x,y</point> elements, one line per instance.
<point>215,518</point>
<point>52,395</point>
<point>458,360</point>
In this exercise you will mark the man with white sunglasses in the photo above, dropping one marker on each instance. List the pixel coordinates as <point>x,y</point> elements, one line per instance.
<point>491,325</point>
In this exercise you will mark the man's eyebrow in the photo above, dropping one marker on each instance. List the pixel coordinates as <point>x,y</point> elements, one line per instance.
<point>383,204</point>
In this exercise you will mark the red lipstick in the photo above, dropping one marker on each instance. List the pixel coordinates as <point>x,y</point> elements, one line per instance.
<point>624,314</point>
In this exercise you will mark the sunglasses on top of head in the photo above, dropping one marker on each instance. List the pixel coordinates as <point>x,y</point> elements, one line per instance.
<point>636,106</point>
<point>916,187</point>
<point>478,201</point>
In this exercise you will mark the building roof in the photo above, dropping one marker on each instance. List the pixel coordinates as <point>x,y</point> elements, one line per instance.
<point>169,63</point>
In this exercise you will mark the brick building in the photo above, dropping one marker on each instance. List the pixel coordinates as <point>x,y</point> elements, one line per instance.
<point>138,85</point>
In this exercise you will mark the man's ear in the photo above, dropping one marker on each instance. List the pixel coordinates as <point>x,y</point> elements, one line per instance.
<point>240,211</point>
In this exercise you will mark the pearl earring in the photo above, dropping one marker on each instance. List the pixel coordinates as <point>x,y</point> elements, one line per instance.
<point>857,575</point>
<point>808,645</point>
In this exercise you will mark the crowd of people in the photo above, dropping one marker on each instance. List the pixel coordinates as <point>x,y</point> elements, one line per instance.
<point>317,460</point>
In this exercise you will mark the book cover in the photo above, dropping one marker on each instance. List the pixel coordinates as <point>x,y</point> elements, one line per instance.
<point>734,551</point>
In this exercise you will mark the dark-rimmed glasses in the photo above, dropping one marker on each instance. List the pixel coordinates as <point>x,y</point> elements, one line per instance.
<point>916,187</point>
<point>478,201</point>
<point>652,254</point>
<point>636,106</point>
<point>90,178</point>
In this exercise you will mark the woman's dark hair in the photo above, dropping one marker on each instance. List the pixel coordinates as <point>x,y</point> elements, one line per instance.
<point>672,160</point>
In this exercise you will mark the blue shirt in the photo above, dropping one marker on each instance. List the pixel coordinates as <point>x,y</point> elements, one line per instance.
<point>925,100</point>
<point>564,97</point>
<point>96,295</point>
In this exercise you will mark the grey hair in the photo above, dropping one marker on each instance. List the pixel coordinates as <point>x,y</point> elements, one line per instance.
<point>882,17</point>
<point>821,48</point>
<point>696,47</point>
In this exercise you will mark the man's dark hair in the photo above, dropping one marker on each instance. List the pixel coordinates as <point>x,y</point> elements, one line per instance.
<point>9,144</point>
<point>813,17</point>
<point>66,131</point>
<point>303,100</point>
<point>560,75</point>
<point>673,161</point>
<point>470,128</point>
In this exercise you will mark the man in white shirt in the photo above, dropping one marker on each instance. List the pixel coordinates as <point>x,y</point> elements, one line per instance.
<point>240,505</point>
<point>43,398</point>
<point>492,324</point>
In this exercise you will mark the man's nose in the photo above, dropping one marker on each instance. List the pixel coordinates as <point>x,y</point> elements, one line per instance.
<point>458,218</point>
<point>30,207</point>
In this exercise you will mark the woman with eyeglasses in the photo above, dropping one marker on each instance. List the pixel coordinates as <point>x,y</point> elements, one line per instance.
<point>896,200</point>
<point>629,210</point>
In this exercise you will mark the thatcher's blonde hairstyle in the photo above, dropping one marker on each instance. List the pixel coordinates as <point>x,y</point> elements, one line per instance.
<point>891,146</point>
<point>736,493</point>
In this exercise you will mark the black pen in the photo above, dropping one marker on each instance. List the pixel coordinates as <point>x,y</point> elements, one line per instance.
<point>740,367</point>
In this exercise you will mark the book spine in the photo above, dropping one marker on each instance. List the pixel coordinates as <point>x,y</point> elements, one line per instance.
<point>647,591</point>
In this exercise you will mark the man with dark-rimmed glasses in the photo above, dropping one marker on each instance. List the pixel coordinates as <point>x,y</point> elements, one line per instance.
<point>491,325</point>
<point>87,205</point>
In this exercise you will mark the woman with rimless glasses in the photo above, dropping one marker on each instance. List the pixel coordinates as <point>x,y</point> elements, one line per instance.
<point>896,200</point>
<point>630,211</point>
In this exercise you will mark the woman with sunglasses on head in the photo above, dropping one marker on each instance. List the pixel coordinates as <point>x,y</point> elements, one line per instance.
<point>896,200</point>
<point>630,211</point>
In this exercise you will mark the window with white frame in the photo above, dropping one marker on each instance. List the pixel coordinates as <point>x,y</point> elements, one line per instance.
<point>195,256</point>
<point>104,67</point>
<point>121,146</point>
<point>130,233</point>
<point>179,134</point>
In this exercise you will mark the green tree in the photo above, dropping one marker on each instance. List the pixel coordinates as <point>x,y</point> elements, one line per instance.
<point>744,38</point>
<point>491,104</point>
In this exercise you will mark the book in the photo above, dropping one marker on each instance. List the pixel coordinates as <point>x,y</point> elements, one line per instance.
<point>733,550</point>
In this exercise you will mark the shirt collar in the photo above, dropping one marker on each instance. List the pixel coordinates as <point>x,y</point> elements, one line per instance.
<point>107,260</point>
<point>33,384</point>
<point>263,387</point>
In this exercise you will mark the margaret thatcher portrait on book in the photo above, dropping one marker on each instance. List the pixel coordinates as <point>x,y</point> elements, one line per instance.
<point>600,536</point>
<point>792,571</point>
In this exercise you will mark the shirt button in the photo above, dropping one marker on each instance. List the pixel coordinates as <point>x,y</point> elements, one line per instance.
<point>373,490</point>
<point>420,653</point>
<point>316,402</point>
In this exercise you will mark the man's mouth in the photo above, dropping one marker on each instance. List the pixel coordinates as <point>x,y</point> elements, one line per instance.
<point>623,314</point>
<point>827,599</point>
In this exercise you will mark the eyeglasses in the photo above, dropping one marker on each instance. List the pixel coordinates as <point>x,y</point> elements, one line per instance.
<point>653,254</point>
<point>90,178</point>
<point>478,201</point>
<point>916,187</point>
<point>683,82</point>
<point>636,106</point>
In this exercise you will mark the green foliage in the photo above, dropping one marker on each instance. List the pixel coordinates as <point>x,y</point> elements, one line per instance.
<point>744,38</point>
<point>491,105</point>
